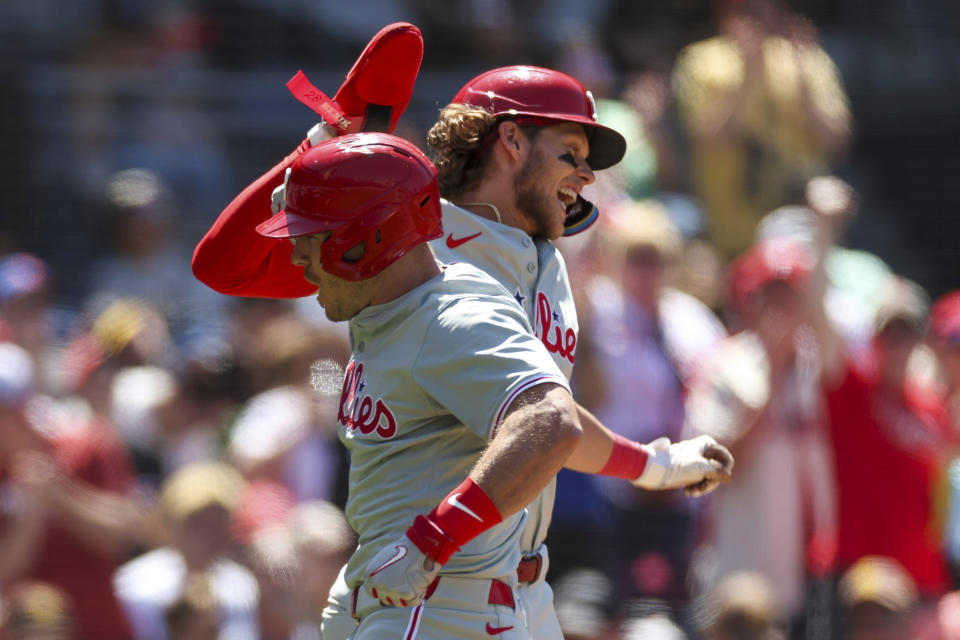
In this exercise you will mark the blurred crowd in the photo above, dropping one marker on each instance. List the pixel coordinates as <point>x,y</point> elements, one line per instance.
<point>169,464</point>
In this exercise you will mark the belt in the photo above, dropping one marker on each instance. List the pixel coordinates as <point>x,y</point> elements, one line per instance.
<point>500,593</point>
<point>528,570</point>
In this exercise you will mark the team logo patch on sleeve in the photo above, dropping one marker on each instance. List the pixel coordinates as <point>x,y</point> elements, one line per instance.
<point>359,411</point>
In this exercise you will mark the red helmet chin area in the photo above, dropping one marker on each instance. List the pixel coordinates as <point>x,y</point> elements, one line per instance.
<point>535,91</point>
<point>373,188</point>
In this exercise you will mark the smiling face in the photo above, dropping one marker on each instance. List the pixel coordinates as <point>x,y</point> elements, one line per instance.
<point>341,299</point>
<point>552,177</point>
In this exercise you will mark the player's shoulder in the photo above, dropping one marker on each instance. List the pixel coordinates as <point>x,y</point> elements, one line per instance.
<point>470,296</point>
<point>462,279</point>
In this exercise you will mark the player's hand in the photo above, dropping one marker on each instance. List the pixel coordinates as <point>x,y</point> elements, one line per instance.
<point>320,132</point>
<point>402,572</point>
<point>699,465</point>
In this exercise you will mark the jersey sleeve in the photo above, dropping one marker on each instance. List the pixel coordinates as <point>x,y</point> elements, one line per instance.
<point>478,356</point>
<point>232,258</point>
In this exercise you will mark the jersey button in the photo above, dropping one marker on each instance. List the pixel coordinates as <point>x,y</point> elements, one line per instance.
<point>527,242</point>
<point>361,346</point>
<point>531,267</point>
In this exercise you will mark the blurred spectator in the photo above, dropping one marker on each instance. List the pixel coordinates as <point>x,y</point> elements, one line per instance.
<point>66,517</point>
<point>36,611</point>
<point>763,109</point>
<point>856,279</point>
<point>287,432</point>
<point>196,503</point>
<point>25,315</point>
<point>111,376</point>
<point>583,599</point>
<point>272,557</point>
<point>323,542</point>
<point>195,614</point>
<point>947,618</point>
<point>879,600</point>
<point>296,558</point>
<point>264,504</point>
<point>657,626</point>
<point>741,607</point>
<point>760,395</point>
<point>944,334</point>
<point>647,339</point>
<point>945,341</point>
<point>247,318</point>
<point>882,419</point>
<point>145,263</point>
<point>23,289</point>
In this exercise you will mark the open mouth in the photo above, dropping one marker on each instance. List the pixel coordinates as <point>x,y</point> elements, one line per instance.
<point>567,197</point>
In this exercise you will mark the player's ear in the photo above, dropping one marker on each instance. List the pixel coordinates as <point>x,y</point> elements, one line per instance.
<point>511,136</point>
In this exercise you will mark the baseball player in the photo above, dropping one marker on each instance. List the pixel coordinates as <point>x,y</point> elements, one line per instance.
<point>265,270</point>
<point>514,149</point>
<point>454,414</point>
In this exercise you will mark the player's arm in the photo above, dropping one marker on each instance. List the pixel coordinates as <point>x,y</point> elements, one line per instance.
<point>699,465</point>
<point>234,259</point>
<point>539,431</point>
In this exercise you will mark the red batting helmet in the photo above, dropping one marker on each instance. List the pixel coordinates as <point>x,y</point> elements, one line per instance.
<point>373,188</point>
<point>544,93</point>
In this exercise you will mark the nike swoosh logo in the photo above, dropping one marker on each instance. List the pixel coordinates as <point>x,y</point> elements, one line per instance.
<point>453,243</point>
<point>397,557</point>
<point>497,630</point>
<point>454,501</point>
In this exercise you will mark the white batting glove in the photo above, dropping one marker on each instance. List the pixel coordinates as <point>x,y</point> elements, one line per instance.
<point>320,132</point>
<point>698,465</point>
<point>400,573</point>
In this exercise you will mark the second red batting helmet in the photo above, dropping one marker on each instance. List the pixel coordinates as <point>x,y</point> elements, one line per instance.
<point>371,188</point>
<point>544,93</point>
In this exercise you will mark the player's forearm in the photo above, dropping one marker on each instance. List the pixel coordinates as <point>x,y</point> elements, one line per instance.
<point>594,448</point>
<point>531,446</point>
<point>234,259</point>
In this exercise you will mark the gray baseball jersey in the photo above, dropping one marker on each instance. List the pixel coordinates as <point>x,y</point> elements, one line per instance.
<point>534,271</point>
<point>431,375</point>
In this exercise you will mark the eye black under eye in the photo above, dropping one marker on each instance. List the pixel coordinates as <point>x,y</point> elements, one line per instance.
<point>568,157</point>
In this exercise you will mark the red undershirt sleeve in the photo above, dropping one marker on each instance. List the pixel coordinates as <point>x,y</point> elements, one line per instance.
<point>232,258</point>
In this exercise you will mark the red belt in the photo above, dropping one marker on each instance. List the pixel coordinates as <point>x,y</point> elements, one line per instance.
<point>529,568</point>
<point>500,593</point>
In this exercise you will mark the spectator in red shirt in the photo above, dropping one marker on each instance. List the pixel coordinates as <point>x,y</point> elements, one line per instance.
<point>887,431</point>
<point>945,340</point>
<point>65,517</point>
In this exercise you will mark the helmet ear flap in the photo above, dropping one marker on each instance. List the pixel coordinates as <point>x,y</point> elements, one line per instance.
<point>580,216</point>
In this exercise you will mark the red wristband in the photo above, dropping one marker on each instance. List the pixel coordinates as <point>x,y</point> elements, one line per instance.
<point>460,517</point>
<point>627,460</point>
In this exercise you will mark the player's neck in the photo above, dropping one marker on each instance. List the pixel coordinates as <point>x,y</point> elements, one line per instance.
<point>406,274</point>
<point>491,203</point>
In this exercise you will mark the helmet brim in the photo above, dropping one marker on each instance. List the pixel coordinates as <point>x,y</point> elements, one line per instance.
<point>607,146</point>
<point>288,224</point>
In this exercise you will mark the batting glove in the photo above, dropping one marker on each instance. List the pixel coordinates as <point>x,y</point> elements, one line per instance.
<point>401,573</point>
<point>699,465</point>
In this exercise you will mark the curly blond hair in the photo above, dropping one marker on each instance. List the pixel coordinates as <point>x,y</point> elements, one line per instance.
<point>456,142</point>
